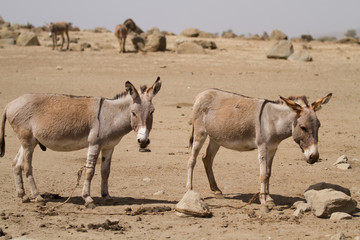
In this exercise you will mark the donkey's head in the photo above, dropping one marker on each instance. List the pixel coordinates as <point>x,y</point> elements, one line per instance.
<point>142,110</point>
<point>306,125</point>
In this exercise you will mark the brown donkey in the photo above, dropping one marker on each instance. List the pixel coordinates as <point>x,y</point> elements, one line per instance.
<point>242,123</point>
<point>59,28</point>
<point>69,123</point>
<point>121,34</point>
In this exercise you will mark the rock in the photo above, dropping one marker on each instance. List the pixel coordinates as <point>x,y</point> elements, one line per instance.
<point>27,39</point>
<point>206,44</point>
<point>206,35</point>
<point>281,50</point>
<point>138,41</point>
<point>339,236</point>
<point>8,41</point>
<point>336,216</point>
<point>190,32</point>
<point>189,48</point>
<point>5,33</point>
<point>324,185</point>
<point>192,204</point>
<point>158,193</point>
<point>76,47</point>
<point>301,207</point>
<point>229,34</point>
<point>278,35</point>
<point>341,159</point>
<point>100,30</point>
<point>343,166</point>
<point>327,201</point>
<point>300,56</point>
<point>146,179</point>
<point>348,40</point>
<point>155,42</point>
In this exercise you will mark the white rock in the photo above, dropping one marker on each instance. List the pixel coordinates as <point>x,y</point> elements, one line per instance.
<point>336,216</point>
<point>146,179</point>
<point>342,159</point>
<point>192,204</point>
<point>161,192</point>
<point>343,166</point>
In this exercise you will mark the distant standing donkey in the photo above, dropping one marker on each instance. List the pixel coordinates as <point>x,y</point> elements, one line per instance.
<point>59,28</point>
<point>243,123</point>
<point>121,34</point>
<point>69,123</point>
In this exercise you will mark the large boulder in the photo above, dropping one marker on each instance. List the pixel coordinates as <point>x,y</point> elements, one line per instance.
<point>189,48</point>
<point>323,185</point>
<point>229,34</point>
<point>7,33</point>
<point>278,35</point>
<point>27,39</point>
<point>206,44</point>
<point>192,204</point>
<point>327,201</point>
<point>301,56</point>
<point>155,42</point>
<point>190,32</point>
<point>281,50</point>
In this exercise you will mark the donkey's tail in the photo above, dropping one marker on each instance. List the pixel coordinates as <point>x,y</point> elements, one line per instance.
<point>2,134</point>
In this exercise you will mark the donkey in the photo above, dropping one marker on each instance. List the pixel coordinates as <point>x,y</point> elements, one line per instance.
<point>69,123</point>
<point>121,34</point>
<point>243,123</point>
<point>59,28</point>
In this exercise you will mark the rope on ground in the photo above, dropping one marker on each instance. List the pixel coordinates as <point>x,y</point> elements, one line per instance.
<point>253,199</point>
<point>79,174</point>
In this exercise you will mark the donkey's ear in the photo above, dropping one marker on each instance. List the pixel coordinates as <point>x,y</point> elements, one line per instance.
<point>316,106</point>
<point>293,105</point>
<point>131,90</point>
<point>155,88</point>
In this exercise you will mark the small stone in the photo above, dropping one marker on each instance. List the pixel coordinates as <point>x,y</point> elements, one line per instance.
<point>339,236</point>
<point>161,192</point>
<point>336,216</point>
<point>146,179</point>
<point>342,159</point>
<point>59,68</point>
<point>343,166</point>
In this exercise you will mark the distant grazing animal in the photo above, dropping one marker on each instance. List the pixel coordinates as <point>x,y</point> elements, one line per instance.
<point>59,28</point>
<point>242,123</point>
<point>132,27</point>
<point>69,123</point>
<point>121,33</point>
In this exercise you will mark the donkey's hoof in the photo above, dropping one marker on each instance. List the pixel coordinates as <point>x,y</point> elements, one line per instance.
<point>39,199</point>
<point>270,204</point>
<point>264,208</point>
<point>90,205</point>
<point>25,199</point>
<point>218,195</point>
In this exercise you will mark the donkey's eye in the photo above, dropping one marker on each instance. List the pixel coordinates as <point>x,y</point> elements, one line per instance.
<point>134,114</point>
<point>151,113</point>
<point>303,128</point>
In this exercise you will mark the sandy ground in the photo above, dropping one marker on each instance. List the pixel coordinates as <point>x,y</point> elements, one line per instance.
<point>237,65</point>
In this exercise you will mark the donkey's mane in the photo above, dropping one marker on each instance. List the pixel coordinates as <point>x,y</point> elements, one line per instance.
<point>300,100</point>
<point>125,93</point>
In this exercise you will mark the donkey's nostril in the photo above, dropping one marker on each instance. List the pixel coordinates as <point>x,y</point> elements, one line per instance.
<point>138,140</point>
<point>148,141</point>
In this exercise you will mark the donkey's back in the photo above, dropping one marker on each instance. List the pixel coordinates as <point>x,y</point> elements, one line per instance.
<point>59,122</point>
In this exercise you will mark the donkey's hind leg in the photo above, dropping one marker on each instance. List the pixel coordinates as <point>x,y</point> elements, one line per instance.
<point>198,139</point>
<point>28,170</point>
<point>18,165</point>
<point>208,159</point>
<point>92,156</point>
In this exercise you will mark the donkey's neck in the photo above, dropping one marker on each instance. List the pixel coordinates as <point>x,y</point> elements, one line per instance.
<point>281,119</point>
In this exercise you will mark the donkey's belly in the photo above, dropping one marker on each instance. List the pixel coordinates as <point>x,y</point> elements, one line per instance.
<point>239,145</point>
<point>65,145</point>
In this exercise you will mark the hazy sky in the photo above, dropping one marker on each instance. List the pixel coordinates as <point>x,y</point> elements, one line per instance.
<point>316,17</point>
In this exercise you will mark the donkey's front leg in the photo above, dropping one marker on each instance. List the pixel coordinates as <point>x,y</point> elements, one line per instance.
<point>105,172</point>
<point>93,153</point>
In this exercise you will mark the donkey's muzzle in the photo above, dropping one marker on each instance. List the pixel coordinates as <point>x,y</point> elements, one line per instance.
<point>143,142</point>
<point>313,158</point>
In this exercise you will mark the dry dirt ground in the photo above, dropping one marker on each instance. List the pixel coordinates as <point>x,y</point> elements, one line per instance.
<point>237,65</point>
